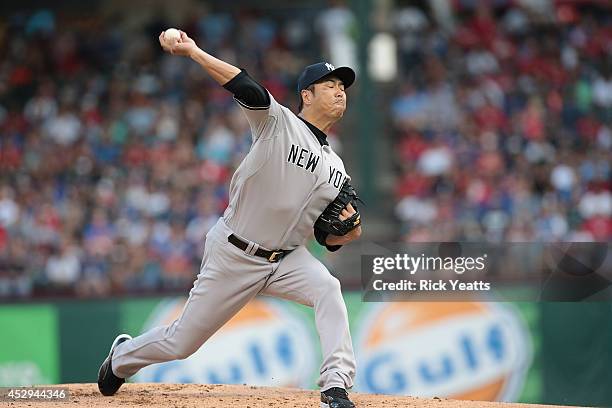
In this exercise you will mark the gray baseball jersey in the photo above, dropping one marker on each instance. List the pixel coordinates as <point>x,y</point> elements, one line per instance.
<point>285,181</point>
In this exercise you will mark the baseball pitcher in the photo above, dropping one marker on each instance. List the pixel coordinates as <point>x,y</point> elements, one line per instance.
<point>289,183</point>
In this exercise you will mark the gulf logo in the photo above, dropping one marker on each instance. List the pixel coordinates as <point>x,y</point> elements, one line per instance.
<point>264,344</point>
<point>463,350</point>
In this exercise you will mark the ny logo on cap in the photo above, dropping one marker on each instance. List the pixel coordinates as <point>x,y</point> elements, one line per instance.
<point>329,66</point>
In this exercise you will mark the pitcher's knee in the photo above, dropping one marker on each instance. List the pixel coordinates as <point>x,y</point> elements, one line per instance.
<point>179,345</point>
<point>334,285</point>
<point>328,287</point>
<point>182,351</point>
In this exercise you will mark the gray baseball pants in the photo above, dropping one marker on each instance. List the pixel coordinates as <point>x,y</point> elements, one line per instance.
<point>228,279</point>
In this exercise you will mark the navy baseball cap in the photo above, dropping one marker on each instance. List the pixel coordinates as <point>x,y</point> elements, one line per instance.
<point>314,72</point>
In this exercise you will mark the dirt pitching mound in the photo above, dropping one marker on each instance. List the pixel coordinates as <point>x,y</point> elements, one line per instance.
<point>220,396</point>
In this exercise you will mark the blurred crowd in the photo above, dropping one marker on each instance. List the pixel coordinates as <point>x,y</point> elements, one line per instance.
<point>115,158</point>
<point>503,124</point>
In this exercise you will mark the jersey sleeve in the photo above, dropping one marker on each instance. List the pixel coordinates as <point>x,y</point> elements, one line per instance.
<point>259,106</point>
<point>263,120</point>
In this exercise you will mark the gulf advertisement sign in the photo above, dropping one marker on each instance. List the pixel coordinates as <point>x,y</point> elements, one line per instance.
<point>463,350</point>
<point>264,344</point>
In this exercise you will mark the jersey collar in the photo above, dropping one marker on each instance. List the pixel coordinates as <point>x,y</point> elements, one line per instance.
<point>321,137</point>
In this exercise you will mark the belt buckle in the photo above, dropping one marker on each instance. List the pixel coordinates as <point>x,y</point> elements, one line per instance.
<point>273,256</point>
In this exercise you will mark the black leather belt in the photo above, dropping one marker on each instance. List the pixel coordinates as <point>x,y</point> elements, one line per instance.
<point>271,256</point>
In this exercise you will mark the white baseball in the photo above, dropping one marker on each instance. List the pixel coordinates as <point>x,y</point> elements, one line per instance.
<point>172,35</point>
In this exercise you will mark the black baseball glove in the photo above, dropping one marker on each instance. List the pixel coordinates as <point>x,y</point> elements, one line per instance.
<point>329,220</point>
